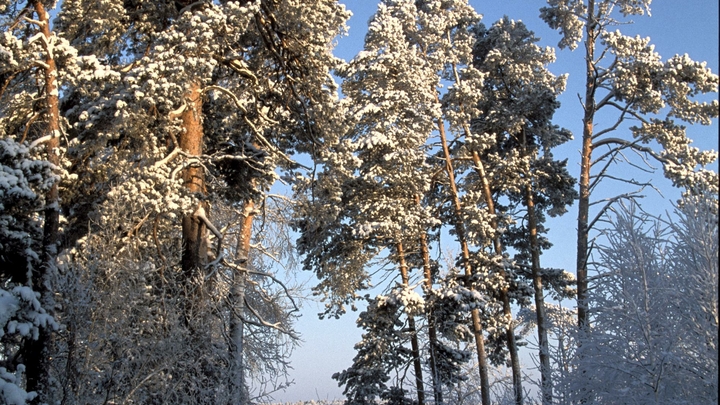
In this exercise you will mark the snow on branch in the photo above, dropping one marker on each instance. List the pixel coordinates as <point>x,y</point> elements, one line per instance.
<point>177,113</point>
<point>46,138</point>
<point>258,135</point>
<point>36,22</point>
<point>262,322</point>
<point>263,274</point>
<point>200,214</point>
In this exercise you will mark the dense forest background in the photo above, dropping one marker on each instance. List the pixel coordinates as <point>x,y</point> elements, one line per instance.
<point>145,258</point>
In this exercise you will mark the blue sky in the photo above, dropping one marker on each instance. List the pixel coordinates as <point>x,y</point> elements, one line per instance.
<point>676,27</point>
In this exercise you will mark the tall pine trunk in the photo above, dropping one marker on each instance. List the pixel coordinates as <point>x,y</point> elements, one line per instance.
<point>38,352</point>
<point>460,231</point>
<point>541,317</point>
<point>432,330</point>
<point>585,164</point>
<point>507,311</point>
<point>194,240</point>
<point>414,345</point>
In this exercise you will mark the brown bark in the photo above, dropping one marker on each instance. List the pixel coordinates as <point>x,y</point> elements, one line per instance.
<point>194,254</point>
<point>414,345</point>
<point>507,311</point>
<point>460,231</point>
<point>585,164</point>
<point>38,352</point>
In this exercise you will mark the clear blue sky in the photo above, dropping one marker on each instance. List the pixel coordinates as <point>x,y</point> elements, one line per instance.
<point>676,27</point>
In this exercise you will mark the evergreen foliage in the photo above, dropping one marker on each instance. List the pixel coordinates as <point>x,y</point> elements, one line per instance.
<point>144,259</point>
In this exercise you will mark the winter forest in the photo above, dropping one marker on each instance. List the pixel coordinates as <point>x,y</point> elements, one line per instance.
<point>147,257</point>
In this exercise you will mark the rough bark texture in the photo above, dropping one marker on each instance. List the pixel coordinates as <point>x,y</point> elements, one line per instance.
<point>194,254</point>
<point>38,352</point>
<point>460,231</point>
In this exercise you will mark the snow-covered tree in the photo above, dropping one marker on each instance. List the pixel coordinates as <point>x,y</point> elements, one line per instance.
<point>391,122</point>
<point>382,356</point>
<point>24,182</point>
<point>173,108</point>
<point>447,41</point>
<point>628,80</point>
<point>379,172</point>
<point>30,67</point>
<point>654,335</point>
<point>514,137</point>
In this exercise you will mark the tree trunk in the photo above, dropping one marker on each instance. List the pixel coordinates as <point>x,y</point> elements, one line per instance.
<point>415,347</point>
<point>460,231</point>
<point>507,311</point>
<point>38,352</point>
<point>546,381</point>
<point>432,331</point>
<point>585,164</point>
<point>194,254</point>
<point>238,390</point>
<point>194,231</point>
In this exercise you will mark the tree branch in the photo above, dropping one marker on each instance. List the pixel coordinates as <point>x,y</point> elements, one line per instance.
<point>622,144</point>
<point>277,326</point>
<point>610,201</point>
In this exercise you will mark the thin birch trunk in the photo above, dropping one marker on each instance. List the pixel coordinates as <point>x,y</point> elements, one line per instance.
<point>415,347</point>
<point>239,394</point>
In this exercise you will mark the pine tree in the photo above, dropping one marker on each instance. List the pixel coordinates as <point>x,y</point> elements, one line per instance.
<point>519,99</point>
<point>173,108</point>
<point>385,144</point>
<point>31,74</point>
<point>625,76</point>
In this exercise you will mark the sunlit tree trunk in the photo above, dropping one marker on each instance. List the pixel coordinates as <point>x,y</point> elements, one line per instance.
<point>38,352</point>
<point>194,254</point>
<point>507,311</point>
<point>545,371</point>
<point>460,231</point>
<point>432,331</point>
<point>585,164</point>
